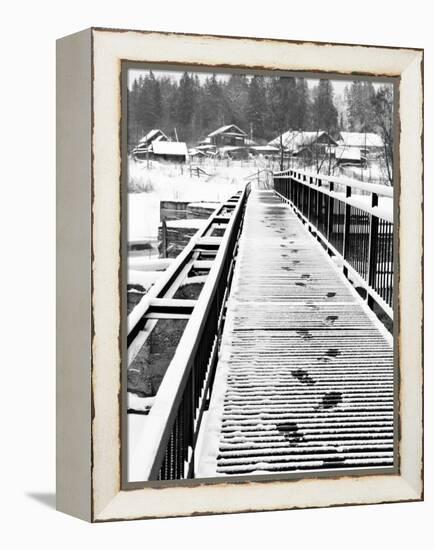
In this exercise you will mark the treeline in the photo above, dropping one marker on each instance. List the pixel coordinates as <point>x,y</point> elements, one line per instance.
<point>263,107</point>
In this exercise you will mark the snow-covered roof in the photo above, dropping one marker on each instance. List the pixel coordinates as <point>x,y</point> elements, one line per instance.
<point>194,152</point>
<point>296,139</point>
<point>153,134</point>
<point>231,148</point>
<point>347,153</point>
<point>361,139</point>
<point>205,141</point>
<point>205,147</point>
<point>265,148</point>
<point>169,148</point>
<point>225,130</point>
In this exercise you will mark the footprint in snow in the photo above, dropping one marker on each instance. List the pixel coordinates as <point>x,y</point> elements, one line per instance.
<point>330,319</point>
<point>331,400</point>
<point>303,376</point>
<point>304,333</point>
<point>290,432</point>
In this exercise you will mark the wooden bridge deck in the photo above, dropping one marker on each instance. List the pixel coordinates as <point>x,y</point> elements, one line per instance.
<point>305,374</point>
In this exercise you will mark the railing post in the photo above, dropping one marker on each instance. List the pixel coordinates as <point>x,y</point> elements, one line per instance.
<point>372,250</point>
<point>164,239</point>
<point>319,196</point>
<point>309,200</point>
<point>330,214</point>
<point>347,219</point>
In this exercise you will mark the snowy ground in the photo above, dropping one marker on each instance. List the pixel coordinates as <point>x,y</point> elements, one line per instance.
<point>149,184</point>
<point>169,181</point>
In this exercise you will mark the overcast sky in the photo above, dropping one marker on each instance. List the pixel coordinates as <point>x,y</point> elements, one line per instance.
<point>338,84</point>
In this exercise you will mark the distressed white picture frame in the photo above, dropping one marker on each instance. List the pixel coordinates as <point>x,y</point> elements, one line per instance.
<point>88,267</point>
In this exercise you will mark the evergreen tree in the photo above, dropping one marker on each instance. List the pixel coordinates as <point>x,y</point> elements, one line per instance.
<point>185,104</point>
<point>324,112</point>
<point>237,92</point>
<point>360,113</point>
<point>382,109</point>
<point>282,107</point>
<point>256,106</point>
<point>302,111</point>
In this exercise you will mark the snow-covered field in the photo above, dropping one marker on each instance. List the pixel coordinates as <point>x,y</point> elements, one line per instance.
<point>149,184</point>
<point>169,181</point>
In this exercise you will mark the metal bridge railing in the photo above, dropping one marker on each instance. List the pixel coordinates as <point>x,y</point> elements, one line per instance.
<point>167,446</point>
<point>354,220</point>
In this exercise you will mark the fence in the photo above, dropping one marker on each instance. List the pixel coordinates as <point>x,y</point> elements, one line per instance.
<point>171,432</point>
<point>353,220</point>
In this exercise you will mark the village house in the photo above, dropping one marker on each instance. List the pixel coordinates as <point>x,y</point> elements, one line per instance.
<point>230,135</point>
<point>349,156</point>
<point>143,147</point>
<point>297,142</point>
<point>173,151</point>
<point>368,143</point>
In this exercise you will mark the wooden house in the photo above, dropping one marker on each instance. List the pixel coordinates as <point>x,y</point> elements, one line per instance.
<point>368,143</point>
<point>297,142</point>
<point>228,136</point>
<point>144,146</point>
<point>173,151</point>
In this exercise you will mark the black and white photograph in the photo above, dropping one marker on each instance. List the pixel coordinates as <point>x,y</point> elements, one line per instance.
<point>259,275</point>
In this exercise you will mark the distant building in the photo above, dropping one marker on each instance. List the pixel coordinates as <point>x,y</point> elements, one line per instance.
<point>264,150</point>
<point>368,143</point>
<point>297,142</point>
<point>143,147</point>
<point>174,151</point>
<point>229,135</point>
<point>153,135</point>
<point>234,152</point>
<point>349,156</point>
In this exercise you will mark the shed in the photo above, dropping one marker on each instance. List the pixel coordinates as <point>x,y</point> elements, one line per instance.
<point>349,156</point>
<point>367,142</point>
<point>175,151</point>
<point>143,147</point>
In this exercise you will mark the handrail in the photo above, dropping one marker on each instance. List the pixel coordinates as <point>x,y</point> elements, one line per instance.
<point>166,448</point>
<point>355,228</point>
<point>381,190</point>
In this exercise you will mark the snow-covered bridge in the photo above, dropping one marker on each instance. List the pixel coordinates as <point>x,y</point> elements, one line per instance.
<point>283,366</point>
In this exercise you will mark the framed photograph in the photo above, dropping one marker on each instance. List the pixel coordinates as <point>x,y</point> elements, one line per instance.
<point>239,274</point>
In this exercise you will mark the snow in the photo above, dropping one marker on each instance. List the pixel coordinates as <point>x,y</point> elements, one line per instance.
<point>360,139</point>
<point>142,264</point>
<point>143,216</point>
<point>294,139</point>
<point>207,205</point>
<point>137,403</point>
<point>169,148</point>
<point>224,129</point>
<point>170,181</point>
<point>144,278</point>
<point>194,223</point>
<point>347,153</point>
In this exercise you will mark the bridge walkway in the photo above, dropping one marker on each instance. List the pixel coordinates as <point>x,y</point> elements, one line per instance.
<point>305,375</point>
